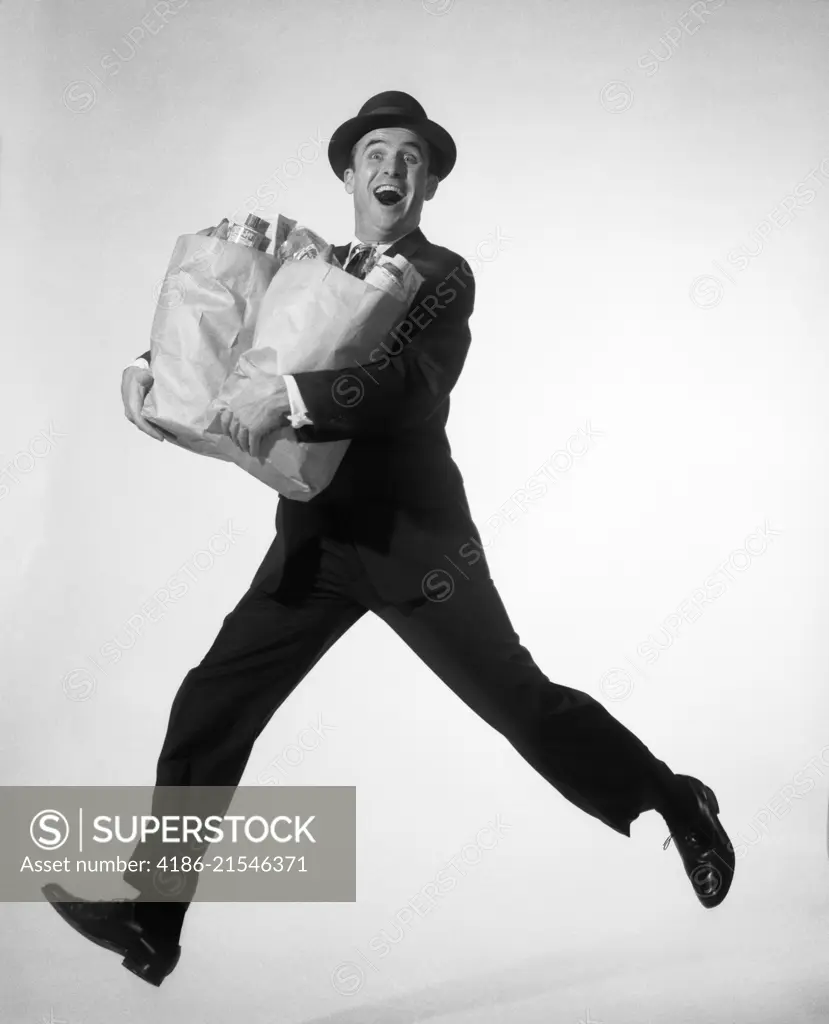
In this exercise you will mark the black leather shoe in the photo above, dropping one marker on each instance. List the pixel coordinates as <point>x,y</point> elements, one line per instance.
<point>703,844</point>
<point>114,924</point>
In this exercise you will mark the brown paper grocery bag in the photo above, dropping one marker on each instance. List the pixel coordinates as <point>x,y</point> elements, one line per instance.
<point>313,317</point>
<point>204,321</point>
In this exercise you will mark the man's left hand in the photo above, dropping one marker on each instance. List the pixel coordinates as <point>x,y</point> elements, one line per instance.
<point>265,408</point>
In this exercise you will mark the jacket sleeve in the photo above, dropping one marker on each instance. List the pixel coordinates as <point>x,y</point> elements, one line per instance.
<point>418,365</point>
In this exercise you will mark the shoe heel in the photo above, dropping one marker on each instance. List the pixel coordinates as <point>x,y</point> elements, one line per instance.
<point>149,967</point>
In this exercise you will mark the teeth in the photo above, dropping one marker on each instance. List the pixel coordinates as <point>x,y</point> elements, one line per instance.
<point>388,195</point>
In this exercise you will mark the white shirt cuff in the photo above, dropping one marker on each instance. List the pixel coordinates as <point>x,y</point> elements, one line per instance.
<point>299,411</point>
<point>142,362</point>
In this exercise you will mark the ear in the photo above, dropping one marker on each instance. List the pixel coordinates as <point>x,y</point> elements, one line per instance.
<point>431,186</point>
<point>348,178</point>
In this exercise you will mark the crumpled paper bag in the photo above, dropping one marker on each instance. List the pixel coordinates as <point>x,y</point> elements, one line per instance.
<point>215,341</point>
<point>204,320</point>
<point>314,316</point>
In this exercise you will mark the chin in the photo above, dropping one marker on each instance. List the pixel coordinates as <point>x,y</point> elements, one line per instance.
<point>390,215</point>
<point>391,218</point>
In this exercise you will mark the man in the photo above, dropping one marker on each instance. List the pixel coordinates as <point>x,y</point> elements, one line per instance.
<point>371,541</point>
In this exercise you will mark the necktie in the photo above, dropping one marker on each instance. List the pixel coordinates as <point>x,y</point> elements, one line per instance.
<point>357,262</point>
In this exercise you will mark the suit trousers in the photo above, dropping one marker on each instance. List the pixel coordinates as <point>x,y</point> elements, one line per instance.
<point>268,643</point>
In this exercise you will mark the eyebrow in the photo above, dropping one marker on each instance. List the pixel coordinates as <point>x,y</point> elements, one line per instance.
<point>385,142</point>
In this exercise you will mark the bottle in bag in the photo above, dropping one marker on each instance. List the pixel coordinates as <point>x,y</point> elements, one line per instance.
<point>252,233</point>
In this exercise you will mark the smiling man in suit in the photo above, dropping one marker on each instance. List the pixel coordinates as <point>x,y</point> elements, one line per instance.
<point>372,542</point>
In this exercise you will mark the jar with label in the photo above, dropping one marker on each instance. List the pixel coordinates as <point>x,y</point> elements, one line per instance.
<point>252,233</point>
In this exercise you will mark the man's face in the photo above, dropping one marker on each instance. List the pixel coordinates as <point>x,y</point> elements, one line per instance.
<point>390,182</point>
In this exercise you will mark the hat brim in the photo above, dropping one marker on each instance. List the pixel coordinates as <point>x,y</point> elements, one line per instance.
<point>441,144</point>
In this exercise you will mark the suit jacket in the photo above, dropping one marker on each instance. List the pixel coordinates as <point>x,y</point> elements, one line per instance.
<point>398,495</point>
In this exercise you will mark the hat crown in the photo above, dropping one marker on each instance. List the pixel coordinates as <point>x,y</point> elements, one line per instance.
<point>392,109</point>
<point>393,103</point>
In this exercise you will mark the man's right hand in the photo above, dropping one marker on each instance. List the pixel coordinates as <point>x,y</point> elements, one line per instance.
<point>135,385</point>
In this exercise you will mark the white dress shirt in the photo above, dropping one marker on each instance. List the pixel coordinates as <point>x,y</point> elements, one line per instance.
<point>299,413</point>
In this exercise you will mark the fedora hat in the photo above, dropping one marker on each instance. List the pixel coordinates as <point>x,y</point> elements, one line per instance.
<point>392,110</point>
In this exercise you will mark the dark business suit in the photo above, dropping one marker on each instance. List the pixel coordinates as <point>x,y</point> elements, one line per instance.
<point>386,536</point>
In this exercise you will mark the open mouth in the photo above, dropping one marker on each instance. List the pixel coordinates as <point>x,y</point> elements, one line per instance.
<point>388,195</point>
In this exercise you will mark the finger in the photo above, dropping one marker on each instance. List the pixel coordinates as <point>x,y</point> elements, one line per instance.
<point>222,229</point>
<point>206,231</point>
<point>225,418</point>
<point>146,427</point>
<point>244,440</point>
<point>135,414</point>
<point>254,440</point>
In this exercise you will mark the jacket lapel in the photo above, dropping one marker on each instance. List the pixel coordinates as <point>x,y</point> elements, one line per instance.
<point>408,245</point>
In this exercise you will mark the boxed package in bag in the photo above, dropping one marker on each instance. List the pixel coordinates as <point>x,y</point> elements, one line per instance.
<point>204,320</point>
<point>314,316</point>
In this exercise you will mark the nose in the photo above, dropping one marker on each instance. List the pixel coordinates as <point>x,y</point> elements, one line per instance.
<point>395,165</point>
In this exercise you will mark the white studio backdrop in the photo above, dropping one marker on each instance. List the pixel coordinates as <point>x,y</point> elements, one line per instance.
<point>643,189</point>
